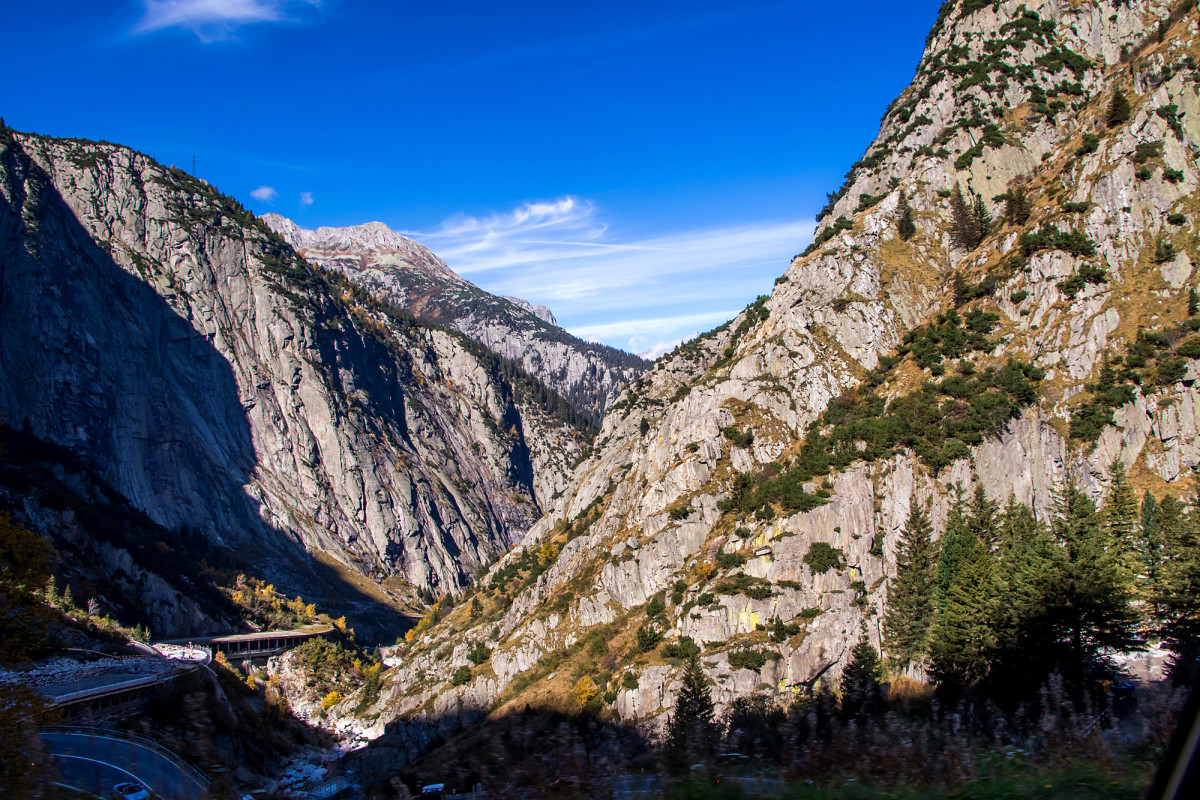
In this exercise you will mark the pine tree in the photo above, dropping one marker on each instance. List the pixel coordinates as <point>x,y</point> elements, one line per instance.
<point>1091,612</point>
<point>1018,528</point>
<point>691,735</point>
<point>981,219</point>
<point>1121,519</point>
<point>906,227</point>
<point>911,605</point>
<point>959,291</point>
<point>860,677</point>
<point>1118,109</point>
<point>1178,600</point>
<point>1149,543</point>
<point>953,548</point>
<point>969,221</point>
<point>964,637</point>
<point>1193,307</point>
<point>984,520</point>
<point>964,225</point>
<point>1172,523</point>
<point>1029,565</point>
<point>1017,206</point>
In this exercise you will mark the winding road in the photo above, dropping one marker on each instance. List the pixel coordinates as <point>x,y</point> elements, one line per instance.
<point>94,762</point>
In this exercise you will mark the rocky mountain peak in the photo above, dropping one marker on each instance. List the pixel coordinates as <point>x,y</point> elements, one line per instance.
<point>386,245</point>
<point>541,312</point>
<point>409,275</point>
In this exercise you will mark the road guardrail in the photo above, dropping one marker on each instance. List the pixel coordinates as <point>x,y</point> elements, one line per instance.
<point>107,733</point>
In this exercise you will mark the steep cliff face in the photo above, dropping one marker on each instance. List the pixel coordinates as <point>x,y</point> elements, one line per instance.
<point>154,327</point>
<point>1095,240</point>
<point>541,312</point>
<point>111,553</point>
<point>395,267</point>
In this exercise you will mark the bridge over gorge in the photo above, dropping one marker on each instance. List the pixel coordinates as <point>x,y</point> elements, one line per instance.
<point>103,696</point>
<point>109,687</point>
<point>260,645</point>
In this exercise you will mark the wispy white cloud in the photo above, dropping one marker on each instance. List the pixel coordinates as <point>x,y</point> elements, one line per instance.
<point>639,293</point>
<point>658,348</point>
<point>637,329</point>
<point>212,20</point>
<point>562,251</point>
<point>306,199</point>
<point>265,194</point>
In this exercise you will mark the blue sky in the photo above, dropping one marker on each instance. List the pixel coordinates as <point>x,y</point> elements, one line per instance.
<point>644,169</point>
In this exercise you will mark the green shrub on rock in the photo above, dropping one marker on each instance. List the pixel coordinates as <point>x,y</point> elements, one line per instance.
<point>822,557</point>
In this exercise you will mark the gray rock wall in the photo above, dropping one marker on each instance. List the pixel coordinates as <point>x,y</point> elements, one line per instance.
<point>161,332</point>
<point>832,315</point>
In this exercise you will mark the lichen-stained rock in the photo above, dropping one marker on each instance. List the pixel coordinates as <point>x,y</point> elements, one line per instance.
<point>652,568</point>
<point>156,328</point>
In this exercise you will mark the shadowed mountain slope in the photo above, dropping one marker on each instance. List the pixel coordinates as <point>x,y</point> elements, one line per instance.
<point>225,385</point>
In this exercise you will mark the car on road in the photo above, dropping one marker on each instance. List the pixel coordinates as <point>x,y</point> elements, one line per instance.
<point>131,791</point>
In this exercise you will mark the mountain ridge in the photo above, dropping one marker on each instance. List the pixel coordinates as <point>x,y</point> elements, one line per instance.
<point>156,327</point>
<point>406,273</point>
<point>717,473</point>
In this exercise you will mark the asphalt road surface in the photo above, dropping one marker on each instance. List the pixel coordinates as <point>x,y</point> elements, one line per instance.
<point>96,764</point>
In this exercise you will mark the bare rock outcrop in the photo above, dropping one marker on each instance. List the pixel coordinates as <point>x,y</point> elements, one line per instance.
<point>1009,96</point>
<point>588,375</point>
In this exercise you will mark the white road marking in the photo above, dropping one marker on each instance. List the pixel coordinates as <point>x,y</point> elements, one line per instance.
<point>105,763</point>
<point>75,789</point>
<point>182,774</point>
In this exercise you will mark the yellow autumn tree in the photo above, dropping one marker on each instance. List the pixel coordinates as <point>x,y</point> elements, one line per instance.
<point>424,624</point>
<point>585,690</point>
<point>547,552</point>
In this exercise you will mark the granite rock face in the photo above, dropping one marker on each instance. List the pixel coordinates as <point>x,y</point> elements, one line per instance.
<point>1003,98</point>
<point>155,328</point>
<point>541,312</point>
<point>587,374</point>
<point>100,542</point>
